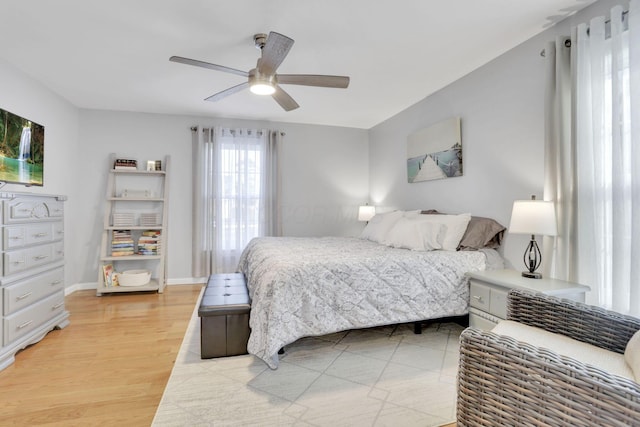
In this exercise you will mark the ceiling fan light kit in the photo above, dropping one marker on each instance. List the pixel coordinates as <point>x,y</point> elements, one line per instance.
<point>263,79</point>
<point>261,84</point>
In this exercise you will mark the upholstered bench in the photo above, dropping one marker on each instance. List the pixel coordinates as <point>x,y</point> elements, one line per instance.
<point>224,316</point>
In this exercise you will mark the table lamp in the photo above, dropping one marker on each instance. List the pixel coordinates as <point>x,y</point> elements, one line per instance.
<point>365,213</point>
<point>533,217</point>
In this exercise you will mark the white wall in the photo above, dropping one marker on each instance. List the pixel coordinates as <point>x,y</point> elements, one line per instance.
<point>28,98</point>
<point>326,170</point>
<point>324,177</point>
<point>501,106</point>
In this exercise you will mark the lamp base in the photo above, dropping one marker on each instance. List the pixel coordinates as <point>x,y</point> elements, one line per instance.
<point>532,275</point>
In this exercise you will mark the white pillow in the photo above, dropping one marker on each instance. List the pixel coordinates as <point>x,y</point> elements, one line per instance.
<point>632,355</point>
<point>378,227</point>
<point>416,235</point>
<point>456,226</point>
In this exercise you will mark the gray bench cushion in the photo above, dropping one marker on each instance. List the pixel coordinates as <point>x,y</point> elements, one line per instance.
<point>225,294</point>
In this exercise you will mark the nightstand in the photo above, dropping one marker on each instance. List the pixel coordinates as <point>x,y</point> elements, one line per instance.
<point>488,293</point>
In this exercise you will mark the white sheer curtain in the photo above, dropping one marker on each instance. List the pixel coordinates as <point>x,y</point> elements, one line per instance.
<point>560,164</point>
<point>236,189</point>
<point>604,145</point>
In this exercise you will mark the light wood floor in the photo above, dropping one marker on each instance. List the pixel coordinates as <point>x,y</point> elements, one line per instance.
<point>109,367</point>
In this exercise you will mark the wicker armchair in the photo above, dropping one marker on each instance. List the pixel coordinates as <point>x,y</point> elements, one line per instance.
<point>503,382</point>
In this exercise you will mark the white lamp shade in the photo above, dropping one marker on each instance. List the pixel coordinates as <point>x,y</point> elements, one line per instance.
<point>365,213</point>
<point>533,217</point>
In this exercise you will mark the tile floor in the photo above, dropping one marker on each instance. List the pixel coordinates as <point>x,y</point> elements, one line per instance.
<point>385,376</point>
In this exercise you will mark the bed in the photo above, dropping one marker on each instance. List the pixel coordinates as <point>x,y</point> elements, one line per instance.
<point>320,285</point>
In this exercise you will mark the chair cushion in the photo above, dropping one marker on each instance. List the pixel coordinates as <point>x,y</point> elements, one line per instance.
<point>608,361</point>
<point>632,354</point>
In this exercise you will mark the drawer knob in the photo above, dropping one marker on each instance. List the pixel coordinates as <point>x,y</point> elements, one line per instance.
<point>40,257</point>
<point>40,235</point>
<point>477,298</point>
<point>56,282</point>
<point>57,306</point>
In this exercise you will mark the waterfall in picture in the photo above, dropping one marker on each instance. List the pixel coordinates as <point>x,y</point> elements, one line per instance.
<point>25,144</point>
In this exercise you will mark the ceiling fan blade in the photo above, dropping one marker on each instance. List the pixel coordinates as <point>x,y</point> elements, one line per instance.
<point>284,99</point>
<point>273,53</point>
<point>203,64</point>
<point>341,82</point>
<point>218,96</point>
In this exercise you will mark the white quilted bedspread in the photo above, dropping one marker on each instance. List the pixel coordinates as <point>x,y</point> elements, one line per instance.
<point>315,286</point>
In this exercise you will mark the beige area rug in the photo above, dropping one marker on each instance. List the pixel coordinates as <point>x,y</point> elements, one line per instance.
<point>385,376</point>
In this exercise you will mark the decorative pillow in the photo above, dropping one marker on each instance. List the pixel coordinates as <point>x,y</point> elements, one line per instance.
<point>481,233</point>
<point>632,355</point>
<point>416,235</point>
<point>456,225</point>
<point>378,227</point>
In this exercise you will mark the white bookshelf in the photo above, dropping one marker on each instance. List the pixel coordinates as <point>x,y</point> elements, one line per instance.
<point>130,193</point>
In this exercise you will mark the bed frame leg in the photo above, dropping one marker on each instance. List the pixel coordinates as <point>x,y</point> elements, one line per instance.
<point>417,328</point>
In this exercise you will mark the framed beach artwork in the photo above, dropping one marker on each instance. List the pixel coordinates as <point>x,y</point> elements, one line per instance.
<point>435,152</point>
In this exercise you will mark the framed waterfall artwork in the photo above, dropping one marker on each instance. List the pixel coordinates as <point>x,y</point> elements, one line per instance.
<point>21,150</point>
<point>435,152</point>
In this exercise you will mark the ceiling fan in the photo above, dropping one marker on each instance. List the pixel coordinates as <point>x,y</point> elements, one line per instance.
<point>263,80</point>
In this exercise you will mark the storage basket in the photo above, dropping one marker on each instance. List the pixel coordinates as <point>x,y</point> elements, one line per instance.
<point>134,277</point>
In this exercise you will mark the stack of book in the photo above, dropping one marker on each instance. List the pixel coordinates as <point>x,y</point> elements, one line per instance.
<point>123,219</point>
<point>149,219</point>
<point>125,164</point>
<point>149,242</point>
<point>121,243</point>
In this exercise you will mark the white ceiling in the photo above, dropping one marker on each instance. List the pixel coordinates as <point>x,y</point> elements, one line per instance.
<point>114,54</point>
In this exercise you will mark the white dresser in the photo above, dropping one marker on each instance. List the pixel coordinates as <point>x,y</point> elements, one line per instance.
<point>31,270</point>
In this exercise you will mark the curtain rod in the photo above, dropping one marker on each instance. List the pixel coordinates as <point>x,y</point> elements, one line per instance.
<point>625,13</point>
<point>195,129</point>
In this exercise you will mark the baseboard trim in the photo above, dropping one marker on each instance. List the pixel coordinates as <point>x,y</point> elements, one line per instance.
<point>170,282</point>
<point>80,287</point>
<point>187,281</point>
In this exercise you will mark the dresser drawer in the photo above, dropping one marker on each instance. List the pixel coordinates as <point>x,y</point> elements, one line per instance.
<point>24,259</point>
<point>28,319</point>
<point>26,209</point>
<point>30,290</point>
<point>18,236</point>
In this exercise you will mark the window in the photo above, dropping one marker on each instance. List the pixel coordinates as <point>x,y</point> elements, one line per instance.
<point>235,195</point>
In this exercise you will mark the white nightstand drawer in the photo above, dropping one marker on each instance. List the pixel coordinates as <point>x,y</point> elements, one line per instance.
<point>480,295</point>
<point>498,305</point>
<point>491,300</point>
<point>481,320</point>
